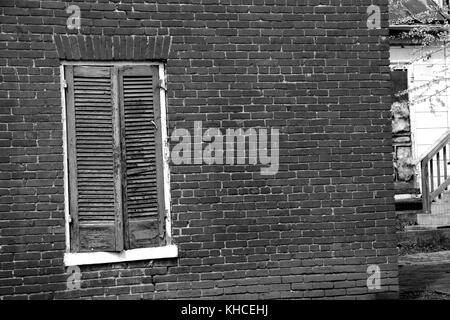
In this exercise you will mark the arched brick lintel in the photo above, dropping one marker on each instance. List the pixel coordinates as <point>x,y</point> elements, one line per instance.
<point>107,48</point>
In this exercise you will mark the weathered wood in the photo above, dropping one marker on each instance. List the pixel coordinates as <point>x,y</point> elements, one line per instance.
<point>440,189</point>
<point>97,236</point>
<point>71,157</point>
<point>159,159</point>
<point>431,176</point>
<point>91,72</point>
<point>144,196</point>
<point>120,168</point>
<point>438,145</point>
<point>438,169</point>
<point>117,161</point>
<point>444,151</point>
<point>144,233</point>
<point>126,226</point>
<point>94,195</point>
<point>425,187</point>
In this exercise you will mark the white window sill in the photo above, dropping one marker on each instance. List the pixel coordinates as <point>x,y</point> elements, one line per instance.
<point>83,258</point>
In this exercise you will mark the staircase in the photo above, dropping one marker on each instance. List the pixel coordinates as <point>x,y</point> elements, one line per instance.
<point>435,185</point>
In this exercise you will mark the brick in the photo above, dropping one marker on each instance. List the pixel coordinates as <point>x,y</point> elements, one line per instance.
<point>307,232</point>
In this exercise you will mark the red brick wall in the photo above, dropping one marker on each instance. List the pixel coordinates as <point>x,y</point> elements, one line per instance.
<point>308,67</point>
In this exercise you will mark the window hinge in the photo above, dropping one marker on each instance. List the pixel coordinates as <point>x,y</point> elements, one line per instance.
<point>162,84</point>
<point>166,145</point>
<point>70,219</point>
<point>64,83</point>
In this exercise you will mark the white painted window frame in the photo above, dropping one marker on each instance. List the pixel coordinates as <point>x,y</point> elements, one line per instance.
<point>170,250</point>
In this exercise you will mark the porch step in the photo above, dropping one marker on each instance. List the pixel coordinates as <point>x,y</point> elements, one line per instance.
<point>404,202</point>
<point>440,207</point>
<point>433,220</point>
<point>440,213</point>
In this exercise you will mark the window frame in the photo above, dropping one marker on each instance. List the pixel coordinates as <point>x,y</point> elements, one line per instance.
<point>169,250</point>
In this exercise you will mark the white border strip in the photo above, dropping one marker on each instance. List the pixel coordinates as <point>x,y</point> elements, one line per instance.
<point>165,152</point>
<point>110,63</point>
<point>65,165</point>
<point>78,259</point>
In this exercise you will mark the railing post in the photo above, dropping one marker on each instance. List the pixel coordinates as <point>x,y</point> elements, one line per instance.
<point>444,151</point>
<point>438,169</point>
<point>425,186</point>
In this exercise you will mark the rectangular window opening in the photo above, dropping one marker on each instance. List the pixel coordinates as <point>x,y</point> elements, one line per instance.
<point>117,179</point>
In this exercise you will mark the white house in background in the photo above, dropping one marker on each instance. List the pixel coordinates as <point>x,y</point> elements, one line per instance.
<point>420,77</point>
<point>429,97</point>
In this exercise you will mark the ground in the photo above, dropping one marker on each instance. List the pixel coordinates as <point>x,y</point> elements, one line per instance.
<point>425,276</point>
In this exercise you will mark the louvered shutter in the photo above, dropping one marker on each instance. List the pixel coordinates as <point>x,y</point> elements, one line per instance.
<point>94,159</point>
<point>142,156</point>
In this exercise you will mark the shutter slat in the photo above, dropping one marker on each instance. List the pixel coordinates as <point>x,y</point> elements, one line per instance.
<point>142,102</point>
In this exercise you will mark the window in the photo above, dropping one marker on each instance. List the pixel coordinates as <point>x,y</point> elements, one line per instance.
<point>399,84</point>
<point>401,125</point>
<point>117,172</point>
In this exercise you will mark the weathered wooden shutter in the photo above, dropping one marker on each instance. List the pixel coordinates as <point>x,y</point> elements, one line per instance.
<point>94,159</point>
<point>142,157</point>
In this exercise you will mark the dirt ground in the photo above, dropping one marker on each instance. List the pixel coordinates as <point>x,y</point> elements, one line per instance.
<point>424,295</point>
<point>425,276</point>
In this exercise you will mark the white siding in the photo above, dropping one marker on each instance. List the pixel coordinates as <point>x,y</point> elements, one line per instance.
<point>429,120</point>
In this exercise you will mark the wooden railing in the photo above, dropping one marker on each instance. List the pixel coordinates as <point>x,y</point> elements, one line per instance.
<point>433,171</point>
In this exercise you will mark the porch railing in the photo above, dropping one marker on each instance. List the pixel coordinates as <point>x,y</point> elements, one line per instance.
<point>433,171</point>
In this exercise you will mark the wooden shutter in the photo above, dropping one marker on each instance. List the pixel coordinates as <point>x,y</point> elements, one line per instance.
<point>142,157</point>
<point>94,159</point>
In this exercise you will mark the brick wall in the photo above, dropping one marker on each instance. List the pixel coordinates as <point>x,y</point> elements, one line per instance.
<point>310,68</point>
